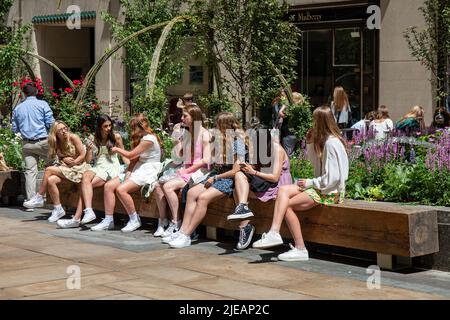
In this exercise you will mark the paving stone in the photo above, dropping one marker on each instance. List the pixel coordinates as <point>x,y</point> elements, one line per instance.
<point>61,285</point>
<point>154,288</point>
<point>82,294</point>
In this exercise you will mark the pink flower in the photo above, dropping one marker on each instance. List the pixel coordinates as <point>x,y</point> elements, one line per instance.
<point>55,95</point>
<point>88,114</point>
<point>15,84</point>
<point>68,90</point>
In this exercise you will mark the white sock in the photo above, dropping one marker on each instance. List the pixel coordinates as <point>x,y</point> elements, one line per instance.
<point>109,218</point>
<point>39,196</point>
<point>58,207</point>
<point>88,209</point>
<point>134,217</point>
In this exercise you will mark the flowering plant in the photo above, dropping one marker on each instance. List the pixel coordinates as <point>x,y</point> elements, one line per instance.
<point>11,147</point>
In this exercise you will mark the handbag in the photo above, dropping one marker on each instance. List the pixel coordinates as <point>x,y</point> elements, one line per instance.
<point>198,176</point>
<point>258,184</point>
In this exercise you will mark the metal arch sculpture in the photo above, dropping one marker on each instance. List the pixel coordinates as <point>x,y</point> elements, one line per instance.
<point>96,67</point>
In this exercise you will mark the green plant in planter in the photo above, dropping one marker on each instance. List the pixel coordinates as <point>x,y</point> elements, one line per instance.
<point>11,147</point>
<point>300,117</point>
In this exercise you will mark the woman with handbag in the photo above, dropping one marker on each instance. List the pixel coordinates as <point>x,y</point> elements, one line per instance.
<point>196,155</point>
<point>259,182</point>
<point>328,154</point>
<point>228,153</point>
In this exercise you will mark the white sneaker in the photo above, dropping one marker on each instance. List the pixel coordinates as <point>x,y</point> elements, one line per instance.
<point>160,230</point>
<point>182,241</point>
<point>104,225</point>
<point>89,215</point>
<point>132,225</point>
<point>173,227</point>
<point>294,254</point>
<point>68,223</point>
<point>269,239</point>
<point>37,201</point>
<point>56,215</point>
<point>170,238</point>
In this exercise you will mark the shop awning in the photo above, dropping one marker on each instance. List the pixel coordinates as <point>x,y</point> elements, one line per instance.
<point>61,18</point>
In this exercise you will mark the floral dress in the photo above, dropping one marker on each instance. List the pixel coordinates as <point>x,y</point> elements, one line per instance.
<point>74,173</point>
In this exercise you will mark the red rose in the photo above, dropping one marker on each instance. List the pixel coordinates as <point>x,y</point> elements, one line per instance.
<point>15,84</point>
<point>88,114</point>
<point>68,90</point>
<point>55,95</point>
<point>51,88</point>
<point>76,82</point>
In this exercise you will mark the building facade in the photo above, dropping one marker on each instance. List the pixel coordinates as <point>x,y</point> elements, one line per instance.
<point>375,66</point>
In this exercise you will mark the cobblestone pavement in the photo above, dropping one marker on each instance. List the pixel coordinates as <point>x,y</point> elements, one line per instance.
<point>36,261</point>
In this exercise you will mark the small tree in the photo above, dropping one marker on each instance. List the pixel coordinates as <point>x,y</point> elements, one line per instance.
<point>241,36</point>
<point>431,46</point>
<point>139,14</point>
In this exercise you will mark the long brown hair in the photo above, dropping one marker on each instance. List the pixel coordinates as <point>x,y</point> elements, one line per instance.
<point>383,112</point>
<point>196,115</point>
<point>340,99</point>
<point>54,142</point>
<point>324,126</point>
<point>110,139</point>
<point>137,123</point>
<point>226,121</point>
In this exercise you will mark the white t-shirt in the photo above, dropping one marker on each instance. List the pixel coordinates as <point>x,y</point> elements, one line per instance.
<point>381,129</point>
<point>360,126</point>
<point>152,154</point>
<point>343,116</point>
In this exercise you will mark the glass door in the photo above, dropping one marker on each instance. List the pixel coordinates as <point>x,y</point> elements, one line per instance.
<point>340,57</point>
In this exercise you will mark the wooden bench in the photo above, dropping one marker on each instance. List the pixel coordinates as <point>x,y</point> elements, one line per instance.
<point>384,228</point>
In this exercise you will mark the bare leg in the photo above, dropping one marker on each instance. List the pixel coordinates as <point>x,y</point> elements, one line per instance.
<point>203,200</point>
<point>110,195</point>
<point>301,202</point>
<point>123,193</point>
<point>161,201</point>
<point>52,182</point>
<point>281,205</point>
<point>170,189</point>
<point>191,204</point>
<point>242,187</point>
<point>88,183</point>
<point>50,171</point>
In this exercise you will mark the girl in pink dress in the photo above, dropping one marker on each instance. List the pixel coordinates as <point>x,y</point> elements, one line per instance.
<point>193,159</point>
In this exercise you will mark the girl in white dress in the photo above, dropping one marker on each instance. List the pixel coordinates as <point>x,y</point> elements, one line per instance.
<point>144,167</point>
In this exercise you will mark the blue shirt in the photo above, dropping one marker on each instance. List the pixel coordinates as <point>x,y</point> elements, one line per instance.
<point>32,118</point>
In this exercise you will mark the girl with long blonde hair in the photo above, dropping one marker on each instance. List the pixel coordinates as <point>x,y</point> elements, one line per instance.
<point>67,148</point>
<point>328,154</point>
<point>145,164</point>
<point>340,107</point>
<point>196,156</point>
<point>412,121</point>
<point>228,155</point>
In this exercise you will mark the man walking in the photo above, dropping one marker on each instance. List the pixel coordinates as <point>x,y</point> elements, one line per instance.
<point>32,119</point>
